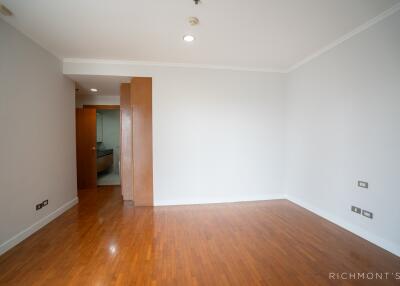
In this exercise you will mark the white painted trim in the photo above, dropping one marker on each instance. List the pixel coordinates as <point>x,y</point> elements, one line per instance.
<point>127,196</point>
<point>36,226</point>
<point>379,241</point>
<point>202,201</point>
<point>171,65</point>
<point>347,36</point>
<point>309,58</point>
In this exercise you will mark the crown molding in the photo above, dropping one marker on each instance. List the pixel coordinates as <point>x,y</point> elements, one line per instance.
<point>347,36</point>
<point>171,65</point>
<point>395,8</point>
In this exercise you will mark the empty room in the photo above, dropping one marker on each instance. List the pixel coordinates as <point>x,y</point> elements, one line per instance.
<point>199,142</point>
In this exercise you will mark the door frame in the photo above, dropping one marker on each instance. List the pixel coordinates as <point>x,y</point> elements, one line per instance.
<point>136,108</point>
<point>106,107</point>
<point>82,182</point>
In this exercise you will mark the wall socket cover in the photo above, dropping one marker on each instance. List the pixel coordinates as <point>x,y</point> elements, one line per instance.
<point>362,184</point>
<point>367,214</point>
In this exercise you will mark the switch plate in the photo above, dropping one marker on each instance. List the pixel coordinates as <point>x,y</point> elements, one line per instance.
<point>362,184</point>
<point>367,214</point>
<point>356,209</point>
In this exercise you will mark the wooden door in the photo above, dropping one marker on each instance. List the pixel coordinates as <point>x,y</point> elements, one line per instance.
<point>141,96</point>
<point>126,160</point>
<point>86,147</point>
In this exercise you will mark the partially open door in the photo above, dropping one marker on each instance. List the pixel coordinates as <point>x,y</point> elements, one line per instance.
<point>86,148</point>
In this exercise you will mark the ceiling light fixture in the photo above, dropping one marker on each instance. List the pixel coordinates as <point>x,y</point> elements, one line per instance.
<point>94,90</point>
<point>188,38</point>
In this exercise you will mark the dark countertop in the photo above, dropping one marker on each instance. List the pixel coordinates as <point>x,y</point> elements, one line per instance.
<point>105,152</point>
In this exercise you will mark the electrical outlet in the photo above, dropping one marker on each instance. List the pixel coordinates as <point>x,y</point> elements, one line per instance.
<point>356,209</point>
<point>367,214</point>
<point>45,203</point>
<point>39,206</point>
<point>362,184</point>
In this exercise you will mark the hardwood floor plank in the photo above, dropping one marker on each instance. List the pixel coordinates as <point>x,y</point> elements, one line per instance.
<point>105,241</point>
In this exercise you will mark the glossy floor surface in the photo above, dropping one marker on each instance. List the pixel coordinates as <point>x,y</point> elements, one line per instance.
<point>104,241</point>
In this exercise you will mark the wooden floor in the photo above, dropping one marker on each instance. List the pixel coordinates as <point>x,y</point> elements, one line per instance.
<point>104,241</point>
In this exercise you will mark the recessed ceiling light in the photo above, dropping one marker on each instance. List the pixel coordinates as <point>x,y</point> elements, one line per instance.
<point>94,90</point>
<point>188,38</point>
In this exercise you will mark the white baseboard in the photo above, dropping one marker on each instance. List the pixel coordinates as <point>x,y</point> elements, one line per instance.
<point>202,201</point>
<point>383,243</point>
<point>379,241</point>
<point>36,226</point>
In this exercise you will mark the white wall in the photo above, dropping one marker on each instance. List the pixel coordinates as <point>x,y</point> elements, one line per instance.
<point>37,145</point>
<point>217,134</point>
<point>343,125</point>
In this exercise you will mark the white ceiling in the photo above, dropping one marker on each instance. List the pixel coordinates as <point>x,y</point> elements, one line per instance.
<point>263,34</point>
<point>106,85</point>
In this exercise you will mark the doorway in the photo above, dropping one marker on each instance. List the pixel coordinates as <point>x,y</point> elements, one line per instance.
<point>98,145</point>
<point>127,158</point>
<point>108,147</point>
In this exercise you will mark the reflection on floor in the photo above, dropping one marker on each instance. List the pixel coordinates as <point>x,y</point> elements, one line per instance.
<point>108,179</point>
<point>106,241</point>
